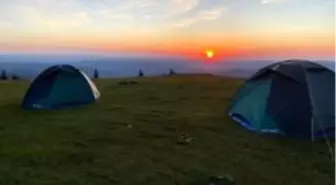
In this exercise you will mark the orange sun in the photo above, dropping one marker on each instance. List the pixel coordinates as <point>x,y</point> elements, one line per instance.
<point>209,53</point>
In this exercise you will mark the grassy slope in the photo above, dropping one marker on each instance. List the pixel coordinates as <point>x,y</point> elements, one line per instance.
<point>93,145</point>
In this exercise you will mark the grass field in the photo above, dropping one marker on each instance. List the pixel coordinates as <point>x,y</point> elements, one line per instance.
<point>130,137</point>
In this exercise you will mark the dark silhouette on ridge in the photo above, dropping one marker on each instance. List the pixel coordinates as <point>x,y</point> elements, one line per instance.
<point>3,75</point>
<point>141,73</point>
<point>95,74</point>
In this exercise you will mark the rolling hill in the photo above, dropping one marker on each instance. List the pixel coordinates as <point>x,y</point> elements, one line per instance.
<point>130,136</point>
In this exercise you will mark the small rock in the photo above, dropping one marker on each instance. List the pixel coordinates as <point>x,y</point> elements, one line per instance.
<point>129,126</point>
<point>222,180</point>
<point>184,139</point>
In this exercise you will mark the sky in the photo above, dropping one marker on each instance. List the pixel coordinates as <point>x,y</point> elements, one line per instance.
<point>232,28</point>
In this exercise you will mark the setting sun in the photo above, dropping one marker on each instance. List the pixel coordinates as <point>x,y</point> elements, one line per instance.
<point>209,53</point>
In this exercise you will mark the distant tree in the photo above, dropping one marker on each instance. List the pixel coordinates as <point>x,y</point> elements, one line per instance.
<point>15,77</point>
<point>141,73</point>
<point>3,75</point>
<point>172,72</point>
<point>96,74</point>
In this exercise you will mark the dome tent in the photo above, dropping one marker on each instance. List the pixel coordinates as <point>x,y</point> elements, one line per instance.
<point>60,86</point>
<point>294,97</point>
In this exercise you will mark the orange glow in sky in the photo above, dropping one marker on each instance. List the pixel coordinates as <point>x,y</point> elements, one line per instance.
<point>230,28</point>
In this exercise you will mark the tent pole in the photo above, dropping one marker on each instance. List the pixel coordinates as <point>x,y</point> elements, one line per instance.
<point>312,128</point>
<point>328,143</point>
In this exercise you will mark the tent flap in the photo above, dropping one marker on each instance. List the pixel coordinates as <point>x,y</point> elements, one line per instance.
<point>252,105</point>
<point>323,100</point>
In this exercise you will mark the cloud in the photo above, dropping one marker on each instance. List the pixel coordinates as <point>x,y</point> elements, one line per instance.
<point>55,21</point>
<point>128,5</point>
<point>5,24</point>
<point>206,15</point>
<point>26,15</point>
<point>111,14</point>
<point>183,23</point>
<point>43,17</point>
<point>104,15</point>
<point>139,9</point>
<point>271,1</point>
<point>147,3</point>
<point>126,10</point>
<point>68,21</point>
<point>179,7</point>
<point>67,13</point>
<point>212,14</point>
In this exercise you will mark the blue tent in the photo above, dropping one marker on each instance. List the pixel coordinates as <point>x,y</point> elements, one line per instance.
<point>60,86</point>
<point>293,97</point>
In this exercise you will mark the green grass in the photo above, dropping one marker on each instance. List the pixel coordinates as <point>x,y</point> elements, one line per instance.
<point>94,145</point>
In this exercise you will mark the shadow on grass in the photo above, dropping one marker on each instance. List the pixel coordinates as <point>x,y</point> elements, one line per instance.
<point>14,110</point>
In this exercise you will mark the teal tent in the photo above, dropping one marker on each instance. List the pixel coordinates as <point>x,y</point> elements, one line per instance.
<point>294,97</point>
<point>60,86</point>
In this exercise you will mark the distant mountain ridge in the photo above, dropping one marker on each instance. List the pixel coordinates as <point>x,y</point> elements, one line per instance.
<point>28,66</point>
